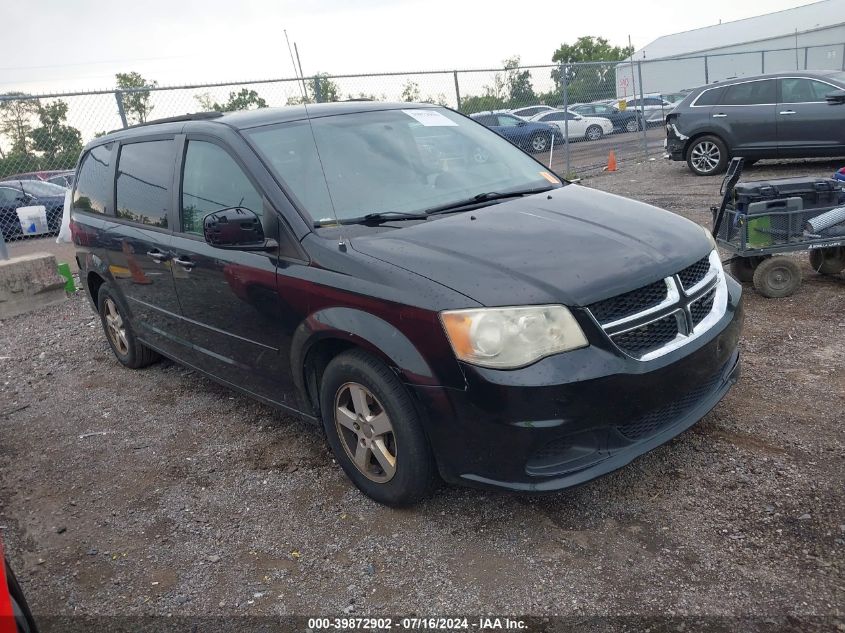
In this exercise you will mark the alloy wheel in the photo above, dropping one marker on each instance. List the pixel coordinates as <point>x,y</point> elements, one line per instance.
<point>594,133</point>
<point>539,143</point>
<point>366,432</point>
<point>632,125</point>
<point>115,327</point>
<point>705,156</point>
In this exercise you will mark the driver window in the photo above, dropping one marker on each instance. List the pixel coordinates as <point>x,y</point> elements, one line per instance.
<point>212,180</point>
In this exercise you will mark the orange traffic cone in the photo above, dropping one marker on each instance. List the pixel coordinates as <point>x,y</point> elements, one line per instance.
<point>611,161</point>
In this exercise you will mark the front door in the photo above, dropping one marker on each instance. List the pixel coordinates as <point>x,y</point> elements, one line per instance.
<point>137,244</point>
<point>228,297</point>
<point>745,118</point>
<point>806,123</point>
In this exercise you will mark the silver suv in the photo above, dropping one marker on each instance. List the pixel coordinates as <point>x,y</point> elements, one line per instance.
<point>782,115</point>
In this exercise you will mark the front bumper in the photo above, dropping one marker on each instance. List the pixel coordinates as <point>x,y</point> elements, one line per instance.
<point>675,147</point>
<point>573,417</point>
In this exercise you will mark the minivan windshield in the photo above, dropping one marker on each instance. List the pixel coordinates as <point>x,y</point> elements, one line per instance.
<point>393,161</point>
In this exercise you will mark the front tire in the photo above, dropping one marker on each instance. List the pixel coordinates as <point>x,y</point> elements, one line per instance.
<point>777,277</point>
<point>539,143</point>
<point>375,430</point>
<point>707,156</point>
<point>632,126</point>
<point>119,333</point>
<point>594,133</point>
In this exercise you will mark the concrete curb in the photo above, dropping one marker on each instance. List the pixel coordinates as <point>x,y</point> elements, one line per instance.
<point>29,282</point>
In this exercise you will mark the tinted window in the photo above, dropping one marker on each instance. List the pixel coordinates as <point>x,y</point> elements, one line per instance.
<point>554,116</point>
<point>508,121</point>
<point>803,90</point>
<point>653,101</point>
<point>486,119</point>
<point>94,185</point>
<point>709,97</point>
<point>144,174</point>
<point>212,180</point>
<point>750,93</point>
<point>9,196</point>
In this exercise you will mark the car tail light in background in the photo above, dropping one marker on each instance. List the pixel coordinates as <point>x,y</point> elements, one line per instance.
<point>7,616</point>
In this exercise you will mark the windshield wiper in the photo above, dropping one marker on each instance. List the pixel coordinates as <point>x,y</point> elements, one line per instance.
<point>373,218</point>
<point>482,199</point>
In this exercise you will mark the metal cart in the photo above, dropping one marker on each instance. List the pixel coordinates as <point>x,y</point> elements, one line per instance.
<point>758,242</point>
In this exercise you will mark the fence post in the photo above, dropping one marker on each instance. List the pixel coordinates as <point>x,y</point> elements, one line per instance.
<point>642,105</point>
<point>457,91</point>
<point>4,253</point>
<point>706,72</point>
<point>118,96</point>
<point>318,89</point>
<point>806,55</point>
<point>565,78</point>
<point>762,62</point>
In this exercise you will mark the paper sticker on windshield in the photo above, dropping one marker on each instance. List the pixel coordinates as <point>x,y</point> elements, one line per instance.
<point>430,118</point>
<point>550,178</point>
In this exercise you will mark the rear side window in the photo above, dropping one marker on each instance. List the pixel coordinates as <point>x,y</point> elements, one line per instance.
<point>795,90</point>
<point>750,93</point>
<point>93,185</point>
<point>709,97</point>
<point>211,181</point>
<point>144,174</point>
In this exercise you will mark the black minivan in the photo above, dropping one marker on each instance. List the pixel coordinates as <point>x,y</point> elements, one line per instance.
<point>437,299</point>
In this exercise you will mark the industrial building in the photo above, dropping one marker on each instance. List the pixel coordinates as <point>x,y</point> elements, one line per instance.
<point>810,37</point>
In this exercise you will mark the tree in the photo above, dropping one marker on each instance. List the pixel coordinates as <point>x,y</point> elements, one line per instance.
<point>318,89</point>
<point>411,91</point>
<point>136,104</point>
<point>242,100</point>
<point>588,82</point>
<point>518,83</point>
<point>16,112</point>
<point>59,143</point>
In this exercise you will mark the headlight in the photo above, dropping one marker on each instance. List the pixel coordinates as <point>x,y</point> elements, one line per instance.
<point>507,338</point>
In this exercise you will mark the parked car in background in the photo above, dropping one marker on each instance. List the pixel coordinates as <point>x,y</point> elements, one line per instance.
<point>481,321</point>
<point>578,127</point>
<point>627,121</point>
<point>528,111</point>
<point>653,108</point>
<point>527,135</point>
<point>780,115</point>
<point>22,194</point>
<point>61,177</point>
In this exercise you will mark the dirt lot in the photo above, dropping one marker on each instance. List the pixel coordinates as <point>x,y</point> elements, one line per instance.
<point>157,492</point>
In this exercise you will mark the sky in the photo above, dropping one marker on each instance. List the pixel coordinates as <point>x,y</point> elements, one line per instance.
<point>61,45</point>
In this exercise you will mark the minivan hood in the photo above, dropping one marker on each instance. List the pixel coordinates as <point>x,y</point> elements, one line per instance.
<point>572,245</point>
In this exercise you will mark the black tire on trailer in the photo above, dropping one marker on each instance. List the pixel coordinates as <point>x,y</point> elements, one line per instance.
<point>777,277</point>
<point>742,268</point>
<point>828,261</point>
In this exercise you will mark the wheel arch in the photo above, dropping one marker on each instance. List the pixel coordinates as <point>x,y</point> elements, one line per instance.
<point>332,331</point>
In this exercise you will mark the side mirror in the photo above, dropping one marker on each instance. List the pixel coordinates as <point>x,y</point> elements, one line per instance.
<point>522,124</point>
<point>837,97</point>
<point>578,117</point>
<point>235,228</point>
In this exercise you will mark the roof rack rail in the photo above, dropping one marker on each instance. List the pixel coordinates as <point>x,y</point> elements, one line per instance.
<point>195,116</point>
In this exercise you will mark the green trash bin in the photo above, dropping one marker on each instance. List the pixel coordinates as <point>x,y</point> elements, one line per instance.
<point>64,271</point>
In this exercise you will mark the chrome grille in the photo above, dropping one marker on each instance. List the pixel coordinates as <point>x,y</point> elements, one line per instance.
<point>701,308</point>
<point>632,302</point>
<point>692,275</point>
<point>655,319</point>
<point>650,336</point>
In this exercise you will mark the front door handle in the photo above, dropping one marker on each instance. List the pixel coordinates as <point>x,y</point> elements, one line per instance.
<point>720,115</point>
<point>787,112</point>
<point>184,261</point>
<point>158,256</point>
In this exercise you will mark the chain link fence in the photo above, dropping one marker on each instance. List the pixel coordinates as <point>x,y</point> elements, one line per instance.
<point>570,116</point>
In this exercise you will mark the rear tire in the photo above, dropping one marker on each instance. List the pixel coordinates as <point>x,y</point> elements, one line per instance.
<point>707,156</point>
<point>828,261</point>
<point>777,277</point>
<point>375,430</point>
<point>594,133</point>
<point>118,329</point>
<point>539,143</point>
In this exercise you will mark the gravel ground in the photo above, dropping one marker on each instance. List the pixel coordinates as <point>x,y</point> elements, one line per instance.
<point>158,492</point>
